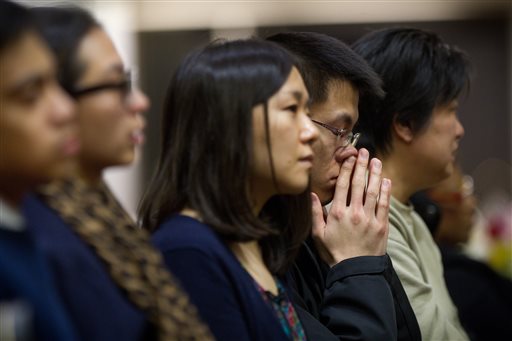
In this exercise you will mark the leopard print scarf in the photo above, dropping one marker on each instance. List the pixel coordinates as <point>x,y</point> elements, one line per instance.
<point>134,265</point>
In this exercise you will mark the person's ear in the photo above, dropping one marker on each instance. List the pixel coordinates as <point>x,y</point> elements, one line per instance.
<point>403,131</point>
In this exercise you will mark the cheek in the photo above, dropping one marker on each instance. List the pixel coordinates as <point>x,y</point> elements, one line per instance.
<point>100,124</point>
<point>324,161</point>
<point>445,130</point>
<point>285,146</point>
<point>33,151</point>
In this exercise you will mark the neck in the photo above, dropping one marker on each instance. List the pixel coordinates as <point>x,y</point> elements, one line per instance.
<point>12,197</point>
<point>189,212</point>
<point>12,190</point>
<point>90,174</point>
<point>250,257</point>
<point>403,183</point>
<point>260,194</point>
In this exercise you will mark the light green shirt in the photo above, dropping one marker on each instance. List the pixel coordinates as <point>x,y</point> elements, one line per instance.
<point>417,261</point>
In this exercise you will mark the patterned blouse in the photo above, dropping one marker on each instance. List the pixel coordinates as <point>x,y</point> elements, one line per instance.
<point>283,308</point>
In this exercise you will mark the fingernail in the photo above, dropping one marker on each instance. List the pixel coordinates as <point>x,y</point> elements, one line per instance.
<point>351,160</point>
<point>363,153</point>
<point>386,183</point>
<point>377,164</point>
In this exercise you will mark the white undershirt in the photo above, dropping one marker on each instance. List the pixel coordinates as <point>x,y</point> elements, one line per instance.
<point>10,218</point>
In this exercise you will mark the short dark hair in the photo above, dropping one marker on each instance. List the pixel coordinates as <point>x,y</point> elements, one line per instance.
<point>63,28</point>
<point>15,20</point>
<point>204,162</point>
<point>419,72</point>
<point>322,59</point>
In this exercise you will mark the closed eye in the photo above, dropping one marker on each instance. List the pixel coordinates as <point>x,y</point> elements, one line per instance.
<point>293,108</point>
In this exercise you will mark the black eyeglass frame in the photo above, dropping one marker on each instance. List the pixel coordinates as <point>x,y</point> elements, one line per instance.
<point>125,86</point>
<point>349,137</point>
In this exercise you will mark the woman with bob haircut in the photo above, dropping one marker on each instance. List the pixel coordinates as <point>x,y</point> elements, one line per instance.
<point>112,281</point>
<point>236,137</point>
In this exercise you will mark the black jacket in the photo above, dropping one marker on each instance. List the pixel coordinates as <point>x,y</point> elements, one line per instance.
<point>358,299</point>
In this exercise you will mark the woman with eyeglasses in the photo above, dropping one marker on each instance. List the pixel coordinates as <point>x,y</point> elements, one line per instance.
<point>112,282</point>
<point>236,137</point>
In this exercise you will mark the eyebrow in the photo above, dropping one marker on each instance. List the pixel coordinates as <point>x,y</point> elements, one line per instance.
<point>298,95</point>
<point>116,68</point>
<point>29,80</point>
<point>344,118</point>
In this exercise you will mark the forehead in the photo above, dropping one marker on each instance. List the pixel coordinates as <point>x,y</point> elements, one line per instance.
<point>99,55</point>
<point>340,106</point>
<point>293,87</point>
<point>28,58</point>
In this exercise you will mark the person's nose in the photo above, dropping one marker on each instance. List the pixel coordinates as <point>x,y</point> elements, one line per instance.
<point>62,106</point>
<point>309,132</point>
<point>138,101</point>
<point>459,129</point>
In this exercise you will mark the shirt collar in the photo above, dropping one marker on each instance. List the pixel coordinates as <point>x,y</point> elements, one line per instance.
<point>10,218</point>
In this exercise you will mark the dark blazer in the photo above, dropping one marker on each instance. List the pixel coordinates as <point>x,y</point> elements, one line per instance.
<point>27,293</point>
<point>358,299</point>
<point>99,310</point>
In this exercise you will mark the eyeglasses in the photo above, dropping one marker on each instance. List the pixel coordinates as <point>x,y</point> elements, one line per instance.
<point>343,136</point>
<point>124,86</point>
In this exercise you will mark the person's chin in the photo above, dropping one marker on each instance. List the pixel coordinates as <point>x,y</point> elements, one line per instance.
<point>326,197</point>
<point>125,160</point>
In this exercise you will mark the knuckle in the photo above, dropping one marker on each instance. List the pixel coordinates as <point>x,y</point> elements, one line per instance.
<point>344,185</point>
<point>382,228</point>
<point>371,194</point>
<point>356,217</point>
<point>383,202</point>
<point>347,166</point>
<point>336,213</point>
<point>358,182</point>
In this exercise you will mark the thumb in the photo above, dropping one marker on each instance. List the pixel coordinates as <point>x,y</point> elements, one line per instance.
<point>317,230</point>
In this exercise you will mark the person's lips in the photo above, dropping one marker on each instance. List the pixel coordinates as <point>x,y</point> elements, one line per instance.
<point>137,137</point>
<point>71,145</point>
<point>307,160</point>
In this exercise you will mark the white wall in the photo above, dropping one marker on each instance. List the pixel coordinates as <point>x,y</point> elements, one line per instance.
<point>159,15</point>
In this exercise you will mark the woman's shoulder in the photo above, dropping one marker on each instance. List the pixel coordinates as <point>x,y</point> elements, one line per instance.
<point>183,232</point>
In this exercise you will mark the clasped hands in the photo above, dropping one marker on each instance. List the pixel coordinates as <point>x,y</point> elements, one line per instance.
<point>357,222</point>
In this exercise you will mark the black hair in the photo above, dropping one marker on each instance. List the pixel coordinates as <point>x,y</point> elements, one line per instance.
<point>15,20</point>
<point>63,28</point>
<point>322,59</point>
<point>419,72</point>
<point>204,162</point>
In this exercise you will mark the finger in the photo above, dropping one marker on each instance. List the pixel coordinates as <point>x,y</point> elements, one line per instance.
<point>343,183</point>
<point>359,178</point>
<point>384,200</point>
<point>317,229</point>
<point>373,189</point>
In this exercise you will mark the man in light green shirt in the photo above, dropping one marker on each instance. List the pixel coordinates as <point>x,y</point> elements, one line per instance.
<point>415,131</point>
